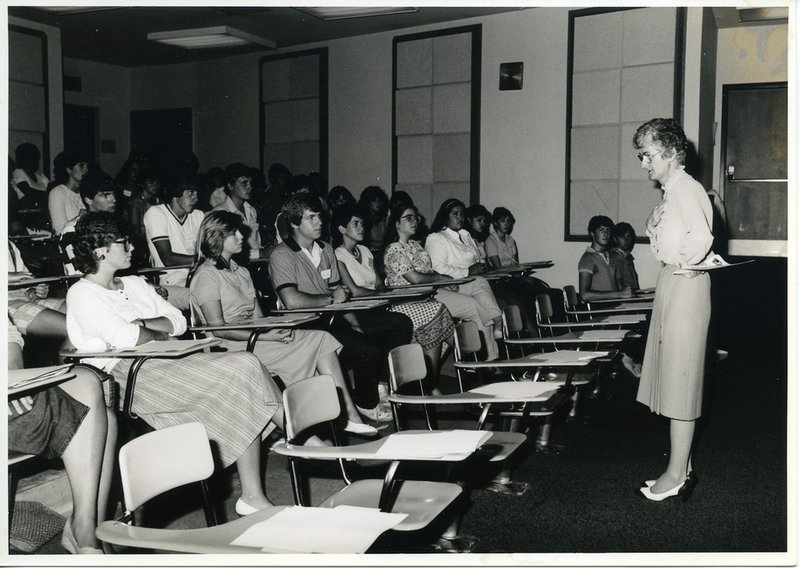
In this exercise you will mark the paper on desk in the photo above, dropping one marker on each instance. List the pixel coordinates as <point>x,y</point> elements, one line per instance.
<point>633,318</point>
<point>603,334</point>
<point>566,356</point>
<point>432,444</point>
<point>520,390</point>
<point>340,530</point>
<point>22,377</point>
<point>156,346</point>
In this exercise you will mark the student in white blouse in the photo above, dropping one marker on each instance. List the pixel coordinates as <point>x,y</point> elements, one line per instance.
<point>455,253</point>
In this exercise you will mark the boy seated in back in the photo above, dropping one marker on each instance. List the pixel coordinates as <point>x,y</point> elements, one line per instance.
<point>597,273</point>
<point>624,238</point>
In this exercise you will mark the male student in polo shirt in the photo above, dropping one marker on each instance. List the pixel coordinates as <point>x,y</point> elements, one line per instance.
<point>597,273</point>
<point>171,230</point>
<point>304,273</point>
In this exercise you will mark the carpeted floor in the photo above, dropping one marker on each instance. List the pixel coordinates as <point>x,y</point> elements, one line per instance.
<point>583,496</point>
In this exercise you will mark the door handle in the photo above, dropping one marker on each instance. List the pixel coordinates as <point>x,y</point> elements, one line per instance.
<point>732,179</point>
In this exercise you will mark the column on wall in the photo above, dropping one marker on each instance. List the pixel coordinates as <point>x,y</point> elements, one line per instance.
<point>433,118</point>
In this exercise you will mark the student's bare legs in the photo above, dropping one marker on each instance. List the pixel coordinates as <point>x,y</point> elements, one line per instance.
<point>89,457</point>
<point>328,364</point>
<point>249,467</point>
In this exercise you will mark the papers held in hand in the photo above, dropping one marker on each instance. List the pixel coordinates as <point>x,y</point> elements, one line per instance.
<point>713,262</point>
<point>339,530</point>
<point>432,444</point>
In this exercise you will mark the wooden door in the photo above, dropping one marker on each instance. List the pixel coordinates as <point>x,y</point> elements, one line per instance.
<point>755,169</point>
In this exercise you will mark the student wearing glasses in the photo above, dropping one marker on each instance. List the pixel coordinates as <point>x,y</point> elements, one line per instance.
<point>407,262</point>
<point>231,394</point>
<point>679,228</point>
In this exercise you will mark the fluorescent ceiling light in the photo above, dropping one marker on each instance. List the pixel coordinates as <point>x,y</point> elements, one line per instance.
<point>73,9</point>
<point>215,36</point>
<point>763,14</point>
<point>344,12</point>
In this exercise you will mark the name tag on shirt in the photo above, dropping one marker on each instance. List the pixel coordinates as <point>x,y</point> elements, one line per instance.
<point>326,274</point>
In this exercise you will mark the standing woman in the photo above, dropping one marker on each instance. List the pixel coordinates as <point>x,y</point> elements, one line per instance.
<point>433,324</point>
<point>680,236</point>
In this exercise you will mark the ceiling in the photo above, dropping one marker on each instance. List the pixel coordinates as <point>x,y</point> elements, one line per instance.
<point>119,35</point>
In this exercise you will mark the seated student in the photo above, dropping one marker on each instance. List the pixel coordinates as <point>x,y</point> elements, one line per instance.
<point>304,273</point>
<point>624,238</point>
<point>149,194</point>
<point>223,292</point>
<point>477,225</point>
<point>69,421</point>
<point>408,263</point>
<point>501,250</point>
<point>30,310</point>
<point>171,231</point>
<point>433,324</point>
<point>27,181</point>
<point>64,202</point>
<point>338,196</point>
<point>239,187</point>
<point>97,194</point>
<point>597,273</point>
<point>374,206</point>
<point>454,252</point>
<point>231,394</point>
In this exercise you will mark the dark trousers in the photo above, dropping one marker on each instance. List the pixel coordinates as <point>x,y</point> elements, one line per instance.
<point>367,338</point>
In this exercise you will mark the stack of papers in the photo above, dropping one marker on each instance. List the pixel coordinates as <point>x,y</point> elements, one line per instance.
<point>711,263</point>
<point>432,444</point>
<point>340,530</point>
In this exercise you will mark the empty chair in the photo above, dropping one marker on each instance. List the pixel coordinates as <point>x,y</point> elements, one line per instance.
<point>160,461</point>
<point>312,402</point>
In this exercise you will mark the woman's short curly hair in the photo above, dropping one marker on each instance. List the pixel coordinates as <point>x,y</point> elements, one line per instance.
<point>215,228</point>
<point>95,230</point>
<point>667,132</point>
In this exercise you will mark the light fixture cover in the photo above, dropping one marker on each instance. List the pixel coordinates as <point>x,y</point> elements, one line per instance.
<point>204,38</point>
<point>344,12</point>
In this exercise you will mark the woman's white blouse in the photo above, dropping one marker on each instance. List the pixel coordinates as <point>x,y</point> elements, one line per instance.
<point>99,318</point>
<point>452,253</point>
<point>361,271</point>
<point>680,226</point>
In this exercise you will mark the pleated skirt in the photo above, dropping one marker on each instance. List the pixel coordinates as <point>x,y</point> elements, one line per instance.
<point>673,369</point>
<point>231,394</point>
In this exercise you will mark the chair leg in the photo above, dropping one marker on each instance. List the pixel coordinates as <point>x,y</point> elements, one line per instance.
<point>208,505</point>
<point>12,494</point>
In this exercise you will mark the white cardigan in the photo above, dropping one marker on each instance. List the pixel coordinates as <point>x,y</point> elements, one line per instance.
<point>450,254</point>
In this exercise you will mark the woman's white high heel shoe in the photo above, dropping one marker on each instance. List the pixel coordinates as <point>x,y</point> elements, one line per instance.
<point>243,509</point>
<point>674,492</point>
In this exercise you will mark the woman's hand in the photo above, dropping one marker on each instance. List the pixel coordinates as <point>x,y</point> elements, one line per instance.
<point>42,290</point>
<point>341,294</point>
<point>477,268</point>
<point>283,335</point>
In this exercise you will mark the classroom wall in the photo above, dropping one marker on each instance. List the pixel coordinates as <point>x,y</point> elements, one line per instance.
<point>522,132</point>
<point>107,88</point>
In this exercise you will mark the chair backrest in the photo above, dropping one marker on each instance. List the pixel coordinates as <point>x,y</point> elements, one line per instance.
<point>544,307</point>
<point>309,402</point>
<point>571,297</point>
<point>512,321</point>
<point>162,460</point>
<point>468,340</point>
<point>406,365</point>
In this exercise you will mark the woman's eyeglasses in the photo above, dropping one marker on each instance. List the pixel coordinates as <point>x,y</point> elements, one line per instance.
<point>646,156</point>
<point>410,217</point>
<point>124,242</point>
